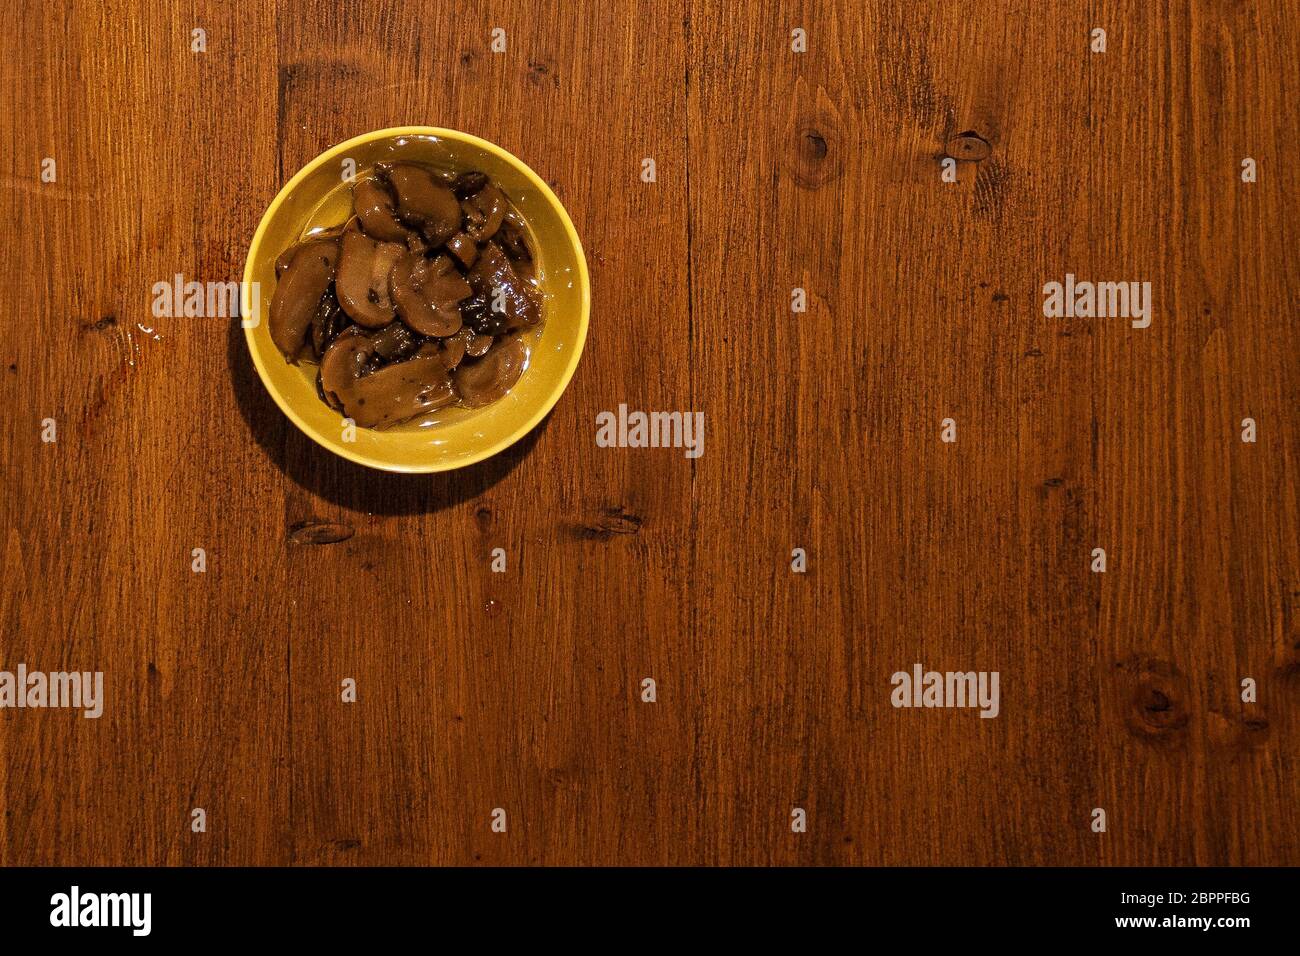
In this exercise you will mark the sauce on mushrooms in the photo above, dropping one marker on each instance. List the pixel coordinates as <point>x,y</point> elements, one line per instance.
<point>425,297</point>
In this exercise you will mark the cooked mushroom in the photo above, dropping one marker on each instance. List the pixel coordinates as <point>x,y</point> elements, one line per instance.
<point>476,313</point>
<point>298,293</point>
<point>444,177</point>
<point>411,303</point>
<point>506,292</point>
<point>452,349</point>
<point>327,323</point>
<point>283,260</point>
<point>424,301</point>
<point>395,342</point>
<point>490,203</point>
<point>463,247</point>
<point>468,183</point>
<point>424,202</point>
<point>484,381</point>
<point>320,235</point>
<point>443,283</point>
<point>513,238</point>
<point>362,280</point>
<point>391,394</point>
<point>374,206</point>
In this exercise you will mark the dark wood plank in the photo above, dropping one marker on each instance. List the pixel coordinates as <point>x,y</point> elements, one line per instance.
<point>515,690</point>
<point>1121,690</point>
<point>158,172</point>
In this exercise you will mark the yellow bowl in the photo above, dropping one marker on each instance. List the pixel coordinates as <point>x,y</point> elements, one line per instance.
<point>317,196</point>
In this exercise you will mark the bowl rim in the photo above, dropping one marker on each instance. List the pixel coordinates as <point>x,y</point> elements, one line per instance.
<point>575,352</point>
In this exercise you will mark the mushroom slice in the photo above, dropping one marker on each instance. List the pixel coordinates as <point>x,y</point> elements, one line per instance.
<point>507,293</point>
<point>401,391</point>
<point>395,342</point>
<point>388,395</point>
<point>362,280</point>
<point>343,363</point>
<point>320,391</point>
<point>478,345</point>
<point>283,260</point>
<point>452,349</point>
<point>478,315</point>
<point>423,201</point>
<point>412,281</point>
<point>484,381</point>
<point>443,176</point>
<point>318,235</point>
<point>513,238</point>
<point>468,183</point>
<point>298,293</point>
<point>374,206</point>
<point>462,246</point>
<point>327,323</point>
<point>442,281</point>
<point>491,205</point>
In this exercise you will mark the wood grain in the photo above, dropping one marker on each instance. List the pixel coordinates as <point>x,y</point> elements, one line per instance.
<point>775,170</point>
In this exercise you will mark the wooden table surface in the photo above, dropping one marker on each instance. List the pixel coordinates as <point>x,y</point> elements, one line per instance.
<point>775,170</point>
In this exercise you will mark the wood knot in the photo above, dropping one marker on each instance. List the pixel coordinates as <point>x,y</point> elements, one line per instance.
<point>540,70</point>
<point>316,531</point>
<point>1156,708</point>
<point>102,325</point>
<point>968,147</point>
<point>815,144</point>
<point>610,522</point>
<point>814,157</point>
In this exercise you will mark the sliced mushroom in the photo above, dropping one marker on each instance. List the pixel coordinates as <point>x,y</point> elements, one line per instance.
<point>477,313</point>
<point>442,281</point>
<point>413,302</point>
<point>507,293</point>
<point>362,280</point>
<point>491,205</point>
<point>318,235</point>
<point>375,208</point>
<point>513,237</point>
<point>425,300</point>
<point>423,201</point>
<point>391,394</point>
<point>395,342</point>
<point>324,397</point>
<point>464,344</point>
<point>463,247</point>
<point>484,381</point>
<point>452,349</point>
<point>327,323</point>
<point>343,362</point>
<point>283,260</point>
<point>468,183</point>
<point>444,176</point>
<point>298,293</point>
